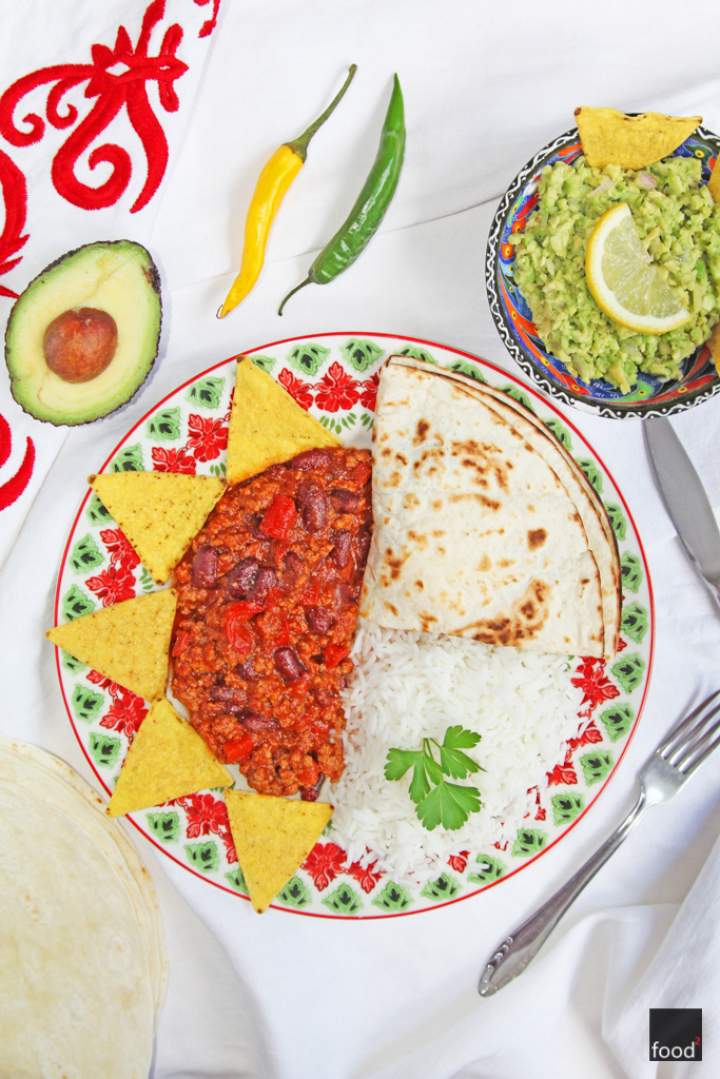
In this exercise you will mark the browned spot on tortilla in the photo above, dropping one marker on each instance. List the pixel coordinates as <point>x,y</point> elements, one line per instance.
<point>394,479</point>
<point>438,532</point>
<point>419,538</point>
<point>420,432</point>
<point>441,550</point>
<point>528,616</point>
<point>401,458</point>
<point>410,501</point>
<point>385,452</point>
<point>393,562</point>
<point>426,620</point>
<point>531,508</point>
<point>484,564</point>
<point>437,504</point>
<point>391,607</point>
<point>419,585</point>
<point>536,538</point>
<point>489,503</point>
<point>504,563</point>
<point>584,580</point>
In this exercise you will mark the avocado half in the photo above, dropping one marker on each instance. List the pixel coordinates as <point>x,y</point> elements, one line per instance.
<point>110,278</point>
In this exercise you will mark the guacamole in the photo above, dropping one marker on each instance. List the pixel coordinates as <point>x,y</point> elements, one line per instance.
<point>679,224</point>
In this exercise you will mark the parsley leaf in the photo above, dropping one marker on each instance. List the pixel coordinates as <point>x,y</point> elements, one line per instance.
<point>437,801</point>
<point>449,804</point>
<point>453,761</point>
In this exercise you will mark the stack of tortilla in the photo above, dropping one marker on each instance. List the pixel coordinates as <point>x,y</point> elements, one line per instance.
<point>485,526</point>
<point>82,964</point>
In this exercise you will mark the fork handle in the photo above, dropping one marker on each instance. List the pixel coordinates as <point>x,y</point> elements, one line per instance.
<point>518,949</point>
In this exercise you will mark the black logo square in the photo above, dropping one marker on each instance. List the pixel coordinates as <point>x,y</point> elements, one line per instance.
<point>676,1034</point>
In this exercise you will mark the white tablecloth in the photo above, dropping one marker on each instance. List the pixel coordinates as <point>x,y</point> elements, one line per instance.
<point>290,997</point>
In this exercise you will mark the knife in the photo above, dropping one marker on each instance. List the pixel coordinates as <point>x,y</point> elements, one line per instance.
<point>686,500</point>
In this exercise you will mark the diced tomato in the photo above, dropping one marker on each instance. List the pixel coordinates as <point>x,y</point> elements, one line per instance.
<point>238,749</point>
<point>243,610</point>
<point>361,472</point>
<point>311,594</point>
<point>182,640</point>
<point>238,633</point>
<point>334,654</point>
<point>279,517</point>
<point>282,636</point>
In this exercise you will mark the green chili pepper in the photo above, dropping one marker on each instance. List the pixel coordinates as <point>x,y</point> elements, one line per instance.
<point>362,222</point>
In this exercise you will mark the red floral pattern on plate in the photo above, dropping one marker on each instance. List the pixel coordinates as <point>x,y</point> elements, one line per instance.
<point>205,814</point>
<point>591,678</point>
<point>368,392</point>
<point>299,390</point>
<point>336,390</point>
<point>366,876</point>
<point>122,553</point>
<point>324,862</point>
<point>112,585</point>
<point>459,861</point>
<point>173,460</point>
<point>126,712</point>
<point>207,438</point>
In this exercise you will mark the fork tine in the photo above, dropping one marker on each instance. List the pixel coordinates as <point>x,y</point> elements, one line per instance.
<point>694,736</point>
<point>701,752</point>
<point>676,735</point>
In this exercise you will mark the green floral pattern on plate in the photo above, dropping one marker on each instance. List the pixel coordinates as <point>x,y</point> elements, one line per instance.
<point>337,375</point>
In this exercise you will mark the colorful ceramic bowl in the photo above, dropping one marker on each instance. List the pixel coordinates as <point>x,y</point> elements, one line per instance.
<point>513,317</point>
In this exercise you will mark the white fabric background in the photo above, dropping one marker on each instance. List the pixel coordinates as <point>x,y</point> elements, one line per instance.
<point>291,997</point>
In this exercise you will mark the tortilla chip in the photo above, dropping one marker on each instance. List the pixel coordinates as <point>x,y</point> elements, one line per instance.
<point>167,759</point>
<point>128,643</point>
<point>159,512</point>
<point>714,182</point>
<point>610,137</point>
<point>267,426</point>
<point>714,346</point>
<point>272,837</point>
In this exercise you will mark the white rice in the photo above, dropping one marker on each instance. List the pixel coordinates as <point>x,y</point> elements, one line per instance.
<point>407,686</point>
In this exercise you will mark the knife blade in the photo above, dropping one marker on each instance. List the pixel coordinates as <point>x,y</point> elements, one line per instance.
<point>685,499</point>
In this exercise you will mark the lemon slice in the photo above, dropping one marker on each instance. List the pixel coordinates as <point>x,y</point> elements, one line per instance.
<point>623,280</point>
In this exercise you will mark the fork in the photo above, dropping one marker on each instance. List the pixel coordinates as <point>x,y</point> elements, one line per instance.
<point>667,770</point>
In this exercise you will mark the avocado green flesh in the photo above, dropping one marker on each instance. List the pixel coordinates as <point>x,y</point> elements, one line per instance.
<point>117,277</point>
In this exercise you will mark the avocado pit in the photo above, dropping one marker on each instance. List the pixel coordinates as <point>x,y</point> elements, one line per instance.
<point>80,343</point>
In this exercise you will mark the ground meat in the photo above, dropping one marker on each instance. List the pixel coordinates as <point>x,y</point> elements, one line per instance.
<point>266,618</point>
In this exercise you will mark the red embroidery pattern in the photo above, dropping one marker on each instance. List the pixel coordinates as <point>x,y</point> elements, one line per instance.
<point>11,489</point>
<point>14,192</point>
<point>117,78</point>
<point>209,25</point>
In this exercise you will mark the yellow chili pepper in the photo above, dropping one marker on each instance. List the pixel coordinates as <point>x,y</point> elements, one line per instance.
<point>270,190</point>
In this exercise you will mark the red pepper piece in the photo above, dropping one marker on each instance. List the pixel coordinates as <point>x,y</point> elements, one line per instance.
<point>243,610</point>
<point>279,517</point>
<point>239,635</point>
<point>238,749</point>
<point>334,654</point>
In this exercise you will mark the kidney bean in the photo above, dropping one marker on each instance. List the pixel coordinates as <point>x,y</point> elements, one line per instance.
<point>362,546</point>
<point>311,459</point>
<point>204,566</point>
<point>319,619</point>
<point>292,567</point>
<point>313,505</point>
<point>289,664</point>
<point>342,551</point>
<point>246,670</point>
<point>254,722</point>
<point>310,794</point>
<point>343,500</point>
<point>265,580</point>
<point>242,578</point>
<point>231,697</point>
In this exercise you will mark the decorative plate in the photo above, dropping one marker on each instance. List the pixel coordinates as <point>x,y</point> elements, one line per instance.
<point>335,376</point>
<point>513,318</point>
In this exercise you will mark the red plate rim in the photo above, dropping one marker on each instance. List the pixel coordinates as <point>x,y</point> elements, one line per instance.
<point>527,388</point>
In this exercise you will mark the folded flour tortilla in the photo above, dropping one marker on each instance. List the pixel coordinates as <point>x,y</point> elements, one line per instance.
<point>82,961</point>
<point>485,527</point>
